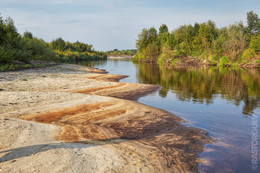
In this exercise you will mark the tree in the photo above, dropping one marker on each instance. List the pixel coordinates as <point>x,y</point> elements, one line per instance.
<point>151,51</point>
<point>253,23</point>
<point>196,28</point>
<point>235,43</point>
<point>10,25</point>
<point>184,36</point>
<point>27,34</point>
<point>146,37</point>
<point>58,44</point>
<point>163,35</point>
<point>142,40</point>
<point>207,33</point>
<point>255,44</point>
<point>79,47</point>
<point>163,29</point>
<point>152,35</point>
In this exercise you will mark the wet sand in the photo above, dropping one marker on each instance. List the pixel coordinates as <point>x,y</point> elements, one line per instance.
<point>71,118</point>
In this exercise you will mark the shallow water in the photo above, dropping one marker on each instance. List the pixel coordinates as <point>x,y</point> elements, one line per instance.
<point>224,102</point>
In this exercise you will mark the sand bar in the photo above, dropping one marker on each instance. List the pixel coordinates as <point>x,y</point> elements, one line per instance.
<point>71,118</point>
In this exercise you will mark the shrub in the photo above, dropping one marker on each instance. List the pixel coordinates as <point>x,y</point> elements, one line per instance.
<point>137,57</point>
<point>248,53</point>
<point>255,44</point>
<point>223,61</point>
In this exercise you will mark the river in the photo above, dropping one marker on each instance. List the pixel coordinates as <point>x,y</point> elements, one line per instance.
<point>224,102</point>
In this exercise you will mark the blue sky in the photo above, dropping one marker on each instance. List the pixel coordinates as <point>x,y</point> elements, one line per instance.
<point>109,24</point>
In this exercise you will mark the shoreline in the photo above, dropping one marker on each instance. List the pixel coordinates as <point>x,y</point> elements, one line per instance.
<point>88,122</point>
<point>120,57</point>
<point>198,62</point>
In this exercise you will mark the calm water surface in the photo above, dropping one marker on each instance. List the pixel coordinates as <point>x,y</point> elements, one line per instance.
<point>224,102</point>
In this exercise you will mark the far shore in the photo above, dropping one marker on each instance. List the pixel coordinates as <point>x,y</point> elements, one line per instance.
<point>120,57</point>
<point>66,118</point>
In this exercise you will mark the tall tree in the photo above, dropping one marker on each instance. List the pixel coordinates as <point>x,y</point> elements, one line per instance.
<point>163,35</point>
<point>152,35</point>
<point>142,40</point>
<point>27,34</point>
<point>253,23</point>
<point>58,44</point>
<point>163,29</point>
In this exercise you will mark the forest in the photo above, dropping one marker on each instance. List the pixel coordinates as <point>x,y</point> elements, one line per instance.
<point>233,45</point>
<point>18,51</point>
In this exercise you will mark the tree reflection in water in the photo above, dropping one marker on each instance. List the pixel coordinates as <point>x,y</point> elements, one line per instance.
<point>202,84</point>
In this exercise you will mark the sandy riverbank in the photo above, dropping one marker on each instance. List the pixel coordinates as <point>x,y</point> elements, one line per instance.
<point>70,118</point>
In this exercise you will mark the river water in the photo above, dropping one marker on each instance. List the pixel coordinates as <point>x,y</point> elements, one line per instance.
<point>224,102</point>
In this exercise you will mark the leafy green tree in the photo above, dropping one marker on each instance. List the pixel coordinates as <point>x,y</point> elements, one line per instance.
<point>163,35</point>
<point>253,23</point>
<point>10,27</point>
<point>235,43</point>
<point>27,34</point>
<point>142,40</point>
<point>184,36</point>
<point>152,35</point>
<point>218,44</point>
<point>147,38</point>
<point>58,44</point>
<point>79,47</point>
<point>151,52</point>
<point>163,29</point>
<point>166,53</point>
<point>255,44</point>
<point>196,28</point>
<point>207,33</point>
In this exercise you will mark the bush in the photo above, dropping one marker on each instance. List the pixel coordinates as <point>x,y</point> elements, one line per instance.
<point>6,54</point>
<point>137,57</point>
<point>248,54</point>
<point>255,44</point>
<point>213,60</point>
<point>223,61</point>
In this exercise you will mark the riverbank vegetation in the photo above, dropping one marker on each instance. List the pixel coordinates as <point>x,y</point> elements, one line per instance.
<point>203,43</point>
<point>116,52</point>
<point>70,52</point>
<point>18,51</point>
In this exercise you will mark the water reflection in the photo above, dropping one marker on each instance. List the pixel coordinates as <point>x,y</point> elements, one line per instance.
<point>202,85</point>
<point>92,63</point>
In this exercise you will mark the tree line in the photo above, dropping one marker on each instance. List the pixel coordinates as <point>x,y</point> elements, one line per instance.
<point>18,50</point>
<point>70,52</point>
<point>127,52</point>
<point>233,44</point>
